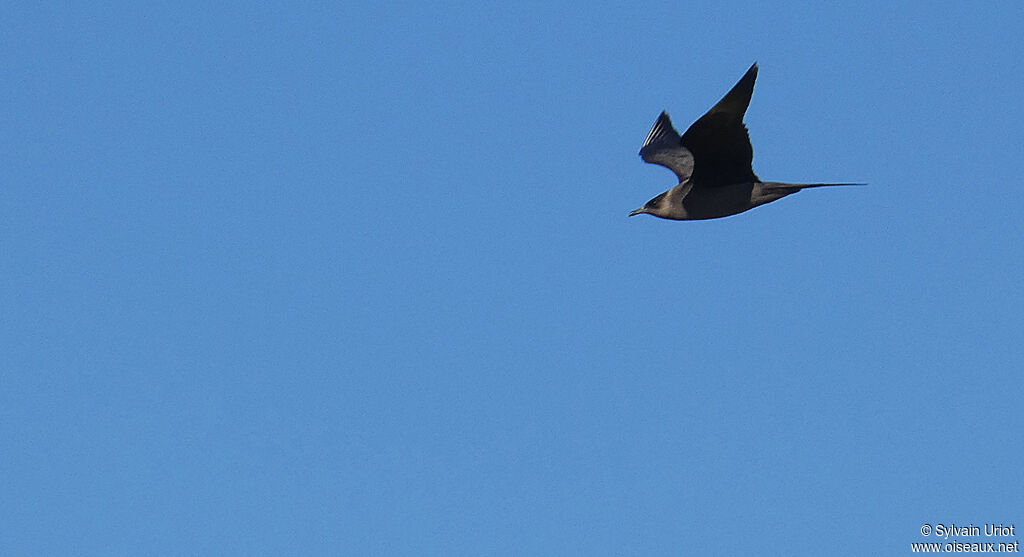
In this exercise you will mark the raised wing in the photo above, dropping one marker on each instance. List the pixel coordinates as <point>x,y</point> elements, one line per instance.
<point>719,141</point>
<point>663,147</point>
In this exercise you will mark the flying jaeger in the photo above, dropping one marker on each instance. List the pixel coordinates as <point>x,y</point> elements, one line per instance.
<point>713,163</point>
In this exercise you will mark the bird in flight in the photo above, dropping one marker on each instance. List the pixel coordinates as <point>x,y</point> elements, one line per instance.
<point>713,163</point>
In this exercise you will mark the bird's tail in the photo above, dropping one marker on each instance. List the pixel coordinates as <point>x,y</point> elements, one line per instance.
<point>792,188</point>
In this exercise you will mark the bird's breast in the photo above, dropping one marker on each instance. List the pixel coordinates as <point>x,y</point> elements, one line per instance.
<point>720,201</point>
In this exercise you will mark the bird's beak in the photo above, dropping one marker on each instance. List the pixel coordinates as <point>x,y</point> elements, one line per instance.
<point>637,212</point>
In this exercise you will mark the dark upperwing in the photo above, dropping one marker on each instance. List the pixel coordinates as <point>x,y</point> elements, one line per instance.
<point>719,142</point>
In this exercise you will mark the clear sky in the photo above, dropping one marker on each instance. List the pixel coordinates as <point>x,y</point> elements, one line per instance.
<point>357,278</point>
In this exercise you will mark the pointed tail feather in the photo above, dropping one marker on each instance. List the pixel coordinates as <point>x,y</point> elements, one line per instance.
<point>798,187</point>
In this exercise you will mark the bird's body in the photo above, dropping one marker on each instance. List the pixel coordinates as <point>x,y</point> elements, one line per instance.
<point>713,163</point>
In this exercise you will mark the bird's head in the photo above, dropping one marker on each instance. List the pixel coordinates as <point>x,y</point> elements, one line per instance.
<point>654,206</point>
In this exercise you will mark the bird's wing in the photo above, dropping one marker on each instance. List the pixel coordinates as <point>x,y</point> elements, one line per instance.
<point>663,147</point>
<point>719,141</point>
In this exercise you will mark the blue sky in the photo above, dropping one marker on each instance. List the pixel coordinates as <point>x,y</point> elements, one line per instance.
<point>358,279</point>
